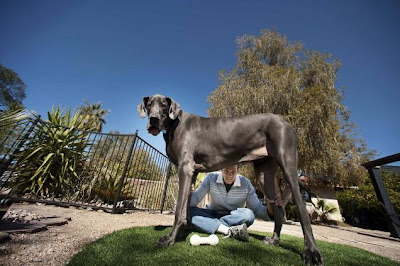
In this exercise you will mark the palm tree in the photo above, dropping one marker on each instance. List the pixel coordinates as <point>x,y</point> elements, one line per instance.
<point>325,209</point>
<point>93,116</point>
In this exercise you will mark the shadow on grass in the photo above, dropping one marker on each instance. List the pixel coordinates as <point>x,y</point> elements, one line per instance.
<point>160,227</point>
<point>257,236</point>
<point>181,236</point>
<point>283,245</point>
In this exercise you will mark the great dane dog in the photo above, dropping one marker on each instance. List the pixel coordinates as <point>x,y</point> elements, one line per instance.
<point>197,144</point>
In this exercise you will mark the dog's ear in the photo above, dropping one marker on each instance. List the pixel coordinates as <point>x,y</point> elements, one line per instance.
<point>142,107</point>
<point>174,110</point>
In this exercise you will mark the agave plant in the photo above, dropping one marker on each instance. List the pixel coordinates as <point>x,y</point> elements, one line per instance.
<point>51,161</point>
<point>107,189</point>
<point>12,116</point>
<point>12,122</point>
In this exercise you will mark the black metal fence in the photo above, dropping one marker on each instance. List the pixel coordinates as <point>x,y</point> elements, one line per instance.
<point>43,162</point>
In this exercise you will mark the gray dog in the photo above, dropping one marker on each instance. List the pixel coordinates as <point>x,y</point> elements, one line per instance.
<point>197,144</point>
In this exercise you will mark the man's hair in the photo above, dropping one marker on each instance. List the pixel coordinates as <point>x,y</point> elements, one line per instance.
<point>235,164</point>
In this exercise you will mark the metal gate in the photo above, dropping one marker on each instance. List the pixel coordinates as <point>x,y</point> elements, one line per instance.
<point>43,162</point>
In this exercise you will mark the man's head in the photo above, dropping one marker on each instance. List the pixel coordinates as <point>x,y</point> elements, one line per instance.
<point>229,173</point>
<point>160,110</point>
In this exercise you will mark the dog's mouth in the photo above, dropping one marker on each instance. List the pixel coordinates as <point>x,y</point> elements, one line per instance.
<point>153,130</point>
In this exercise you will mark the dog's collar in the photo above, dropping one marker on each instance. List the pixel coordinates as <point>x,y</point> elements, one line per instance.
<point>171,126</point>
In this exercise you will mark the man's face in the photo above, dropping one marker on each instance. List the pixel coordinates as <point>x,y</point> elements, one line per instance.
<point>229,174</point>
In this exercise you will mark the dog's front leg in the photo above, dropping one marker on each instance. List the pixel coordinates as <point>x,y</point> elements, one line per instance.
<point>185,174</point>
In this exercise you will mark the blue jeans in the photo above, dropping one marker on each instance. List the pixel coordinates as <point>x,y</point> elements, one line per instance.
<point>208,221</point>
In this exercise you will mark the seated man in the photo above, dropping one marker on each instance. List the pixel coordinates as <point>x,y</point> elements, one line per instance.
<point>226,213</point>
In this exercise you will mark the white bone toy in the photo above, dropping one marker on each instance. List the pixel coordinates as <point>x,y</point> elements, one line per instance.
<point>196,240</point>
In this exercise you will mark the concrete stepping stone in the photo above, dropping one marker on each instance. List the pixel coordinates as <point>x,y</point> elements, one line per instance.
<point>54,221</point>
<point>4,237</point>
<point>14,228</point>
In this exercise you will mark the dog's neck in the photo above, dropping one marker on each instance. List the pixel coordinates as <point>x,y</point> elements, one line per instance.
<point>172,124</point>
<point>168,134</point>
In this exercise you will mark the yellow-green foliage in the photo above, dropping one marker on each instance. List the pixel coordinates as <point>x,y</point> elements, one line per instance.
<point>281,77</point>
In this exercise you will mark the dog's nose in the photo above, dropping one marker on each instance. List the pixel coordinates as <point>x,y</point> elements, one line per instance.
<point>154,120</point>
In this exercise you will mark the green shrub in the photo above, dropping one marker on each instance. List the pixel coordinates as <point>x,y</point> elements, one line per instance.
<point>360,207</point>
<point>107,189</point>
<point>291,212</point>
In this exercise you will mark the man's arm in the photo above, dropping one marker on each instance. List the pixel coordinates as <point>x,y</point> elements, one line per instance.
<point>255,204</point>
<point>201,192</point>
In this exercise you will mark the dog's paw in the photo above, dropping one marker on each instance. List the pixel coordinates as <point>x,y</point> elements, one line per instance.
<point>166,241</point>
<point>312,256</point>
<point>271,241</point>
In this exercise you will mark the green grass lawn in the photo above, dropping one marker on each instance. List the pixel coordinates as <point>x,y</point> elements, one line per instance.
<point>137,246</point>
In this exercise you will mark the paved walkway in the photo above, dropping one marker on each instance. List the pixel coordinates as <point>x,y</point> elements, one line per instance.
<point>374,241</point>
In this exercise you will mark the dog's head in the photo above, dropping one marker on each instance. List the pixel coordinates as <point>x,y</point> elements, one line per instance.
<point>160,111</point>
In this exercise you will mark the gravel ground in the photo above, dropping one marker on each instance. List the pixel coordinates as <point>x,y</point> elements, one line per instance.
<point>57,244</point>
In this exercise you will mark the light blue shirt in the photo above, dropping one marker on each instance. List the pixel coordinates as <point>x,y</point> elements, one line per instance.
<point>241,192</point>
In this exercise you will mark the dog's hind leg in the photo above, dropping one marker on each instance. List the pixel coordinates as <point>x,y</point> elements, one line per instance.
<point>265,172</point>
<point>185,173</point>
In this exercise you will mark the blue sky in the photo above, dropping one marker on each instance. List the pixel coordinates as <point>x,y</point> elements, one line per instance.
<point>117,52</point>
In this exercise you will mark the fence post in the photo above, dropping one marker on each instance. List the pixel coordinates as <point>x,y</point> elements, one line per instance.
<point>166,186</point>
<point>4,167</point>
<point>128,160</point>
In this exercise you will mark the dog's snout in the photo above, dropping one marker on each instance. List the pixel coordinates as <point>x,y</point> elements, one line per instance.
<point>154,120</point>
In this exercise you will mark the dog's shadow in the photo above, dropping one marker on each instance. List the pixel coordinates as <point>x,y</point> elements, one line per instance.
<point>258,237</point>
<point>160,227</point>
<point>181,236</point>
<point>284,246</point>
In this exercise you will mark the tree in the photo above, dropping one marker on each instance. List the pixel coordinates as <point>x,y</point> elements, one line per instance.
<point>145,166</point>
<point>12,88</point>
<point>93,116</point>
<point>277,76</point>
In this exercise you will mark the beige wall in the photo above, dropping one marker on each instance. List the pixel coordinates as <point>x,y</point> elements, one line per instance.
<point>329,195</point>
